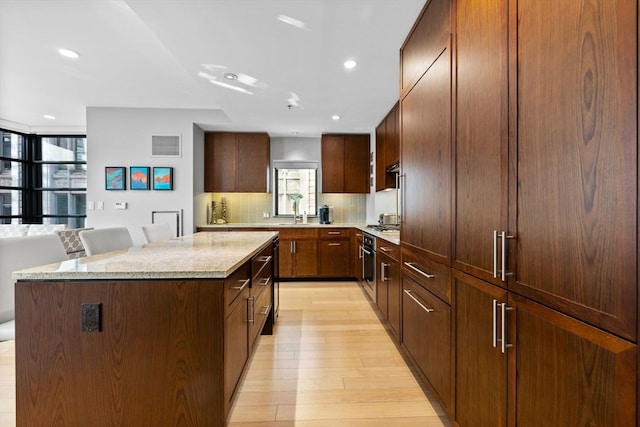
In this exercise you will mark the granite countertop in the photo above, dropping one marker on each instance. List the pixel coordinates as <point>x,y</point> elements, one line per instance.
<point>390,236</point>
<point>198,256</point>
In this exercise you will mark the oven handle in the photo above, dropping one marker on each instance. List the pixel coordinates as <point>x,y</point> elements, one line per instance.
<point>366,251</point>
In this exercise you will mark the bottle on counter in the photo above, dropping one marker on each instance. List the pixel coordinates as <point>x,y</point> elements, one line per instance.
<point>304,217</point>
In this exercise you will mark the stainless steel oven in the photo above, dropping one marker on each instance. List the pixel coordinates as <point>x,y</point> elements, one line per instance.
<point>369,265</point>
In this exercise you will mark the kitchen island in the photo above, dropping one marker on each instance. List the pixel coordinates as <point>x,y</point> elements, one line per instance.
<point>153,335</point>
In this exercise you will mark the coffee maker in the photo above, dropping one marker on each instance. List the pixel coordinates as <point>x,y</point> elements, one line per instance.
<point>325,213</point>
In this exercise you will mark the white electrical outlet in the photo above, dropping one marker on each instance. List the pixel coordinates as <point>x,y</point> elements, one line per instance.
<point>100,205</point>
<point>121,205</point>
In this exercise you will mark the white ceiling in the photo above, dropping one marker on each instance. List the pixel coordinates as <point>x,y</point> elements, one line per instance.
<point>153,53</point>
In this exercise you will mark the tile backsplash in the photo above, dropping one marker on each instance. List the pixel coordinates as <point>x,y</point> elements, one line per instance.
<point>249,207</point>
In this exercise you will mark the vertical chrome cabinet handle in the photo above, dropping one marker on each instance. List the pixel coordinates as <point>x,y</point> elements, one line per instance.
<point>402,179</point>
<point>503,340</point>
<point>383,277</point>
<point>252,310</point>
<point>495,254</point>
<point>495,324</point>
<point>503,272</point>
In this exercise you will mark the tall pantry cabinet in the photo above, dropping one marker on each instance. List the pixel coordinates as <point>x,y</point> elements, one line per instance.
<point>544,219</point>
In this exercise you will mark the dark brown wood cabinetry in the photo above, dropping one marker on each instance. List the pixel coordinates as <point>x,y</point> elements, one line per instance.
<point>345,163</point>
<point>387,149</point>
<point>298,252</point>
<point>334,249</point>
<point>236,162</point>
<point>388,283</point>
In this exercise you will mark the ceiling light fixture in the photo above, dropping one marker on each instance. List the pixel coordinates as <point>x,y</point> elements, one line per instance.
<point>230,76</point>
<point>49,117</point>
<point>69,53</point>
<point>293,21</point>
<point>350,64</point>
<point>335,117</point>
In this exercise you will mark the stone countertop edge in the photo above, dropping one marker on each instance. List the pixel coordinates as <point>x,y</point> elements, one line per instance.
<point>196,256</point>
<point>389,237</point>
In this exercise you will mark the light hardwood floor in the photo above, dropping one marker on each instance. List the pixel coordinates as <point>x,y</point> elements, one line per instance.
<point>330,362</point>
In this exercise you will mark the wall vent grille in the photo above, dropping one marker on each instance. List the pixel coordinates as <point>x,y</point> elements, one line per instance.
<point>165,146</point>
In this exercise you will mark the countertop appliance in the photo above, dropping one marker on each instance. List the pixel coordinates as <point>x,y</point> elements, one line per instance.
<point>369,265</point>
<point>388,218</point>
<point>325,213</point>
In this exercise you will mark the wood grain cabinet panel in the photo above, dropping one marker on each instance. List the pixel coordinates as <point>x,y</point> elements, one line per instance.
<point>387,149</point>
<point>345,163</point>
<point>236,162</point>
<point>577,152</point>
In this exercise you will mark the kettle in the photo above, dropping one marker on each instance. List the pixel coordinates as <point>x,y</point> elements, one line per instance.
<point>325,214</point>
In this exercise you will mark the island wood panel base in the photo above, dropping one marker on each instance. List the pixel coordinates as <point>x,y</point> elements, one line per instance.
<point>157,360</point>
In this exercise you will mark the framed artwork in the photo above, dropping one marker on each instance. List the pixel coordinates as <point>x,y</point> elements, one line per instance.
<point>139,177</point>
<point>115,178</point>
<point>163,178</point>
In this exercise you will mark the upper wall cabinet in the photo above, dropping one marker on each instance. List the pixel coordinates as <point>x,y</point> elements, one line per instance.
<point>387,149</point>
<point>345,163</point>
<point>236,162</point>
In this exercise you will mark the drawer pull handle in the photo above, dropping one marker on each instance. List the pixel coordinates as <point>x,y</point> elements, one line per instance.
<point>333,233</point>
<point>265,259</point>
<point>266,281</point>
<point>385,249</point>
<point>335,244</point>
<point>425,308</point>
<point>244,285</point>
<point>417,270</point>
<point>267,308</point>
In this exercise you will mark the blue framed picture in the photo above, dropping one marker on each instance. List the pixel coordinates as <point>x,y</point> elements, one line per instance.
<point>139,178</point>
<point>163,178</point>
<point>115,178</point>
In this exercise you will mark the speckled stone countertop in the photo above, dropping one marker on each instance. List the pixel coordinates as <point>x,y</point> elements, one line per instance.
<point>390,236</point>
<point>198,256</point>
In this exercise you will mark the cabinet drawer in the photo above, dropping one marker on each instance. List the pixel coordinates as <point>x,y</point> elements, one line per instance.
<point>389,249</point>
<point>332,233</point>
<point>297,232</point>
<point>432,275</point>
<point>260,262</point>
<point>237,286</point>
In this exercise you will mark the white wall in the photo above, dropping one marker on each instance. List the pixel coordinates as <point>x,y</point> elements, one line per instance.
<point>122,137</point>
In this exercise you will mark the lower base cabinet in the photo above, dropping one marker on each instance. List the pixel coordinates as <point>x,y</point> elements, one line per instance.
<point>426,336</point>
<point>552,370</point>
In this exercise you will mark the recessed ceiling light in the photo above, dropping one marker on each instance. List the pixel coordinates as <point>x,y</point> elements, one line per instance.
<point>68,53</point>
<point>230,76</point>
<point>49,117</point>
<point>335,117</point>
<point>350,64</point>
<point>294,133</point>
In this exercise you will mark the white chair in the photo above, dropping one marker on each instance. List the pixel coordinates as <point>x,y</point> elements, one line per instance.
<point>156,232</point>
<point>18,253</point>
<point>107,239</point>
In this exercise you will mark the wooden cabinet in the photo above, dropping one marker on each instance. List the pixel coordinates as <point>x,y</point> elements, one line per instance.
<point>345,163</point>
<point>426,336</point>
<point>334,252</point>
<point>481,135</point>
<point>356,249</point>
<point>548,358</point>
<point>426,162</point>
<point>236,162</point>
<point>261,299</point>
<point>575,246</point>
<point>387,149</point>
<point>388,283</point>
<point>298,252</point>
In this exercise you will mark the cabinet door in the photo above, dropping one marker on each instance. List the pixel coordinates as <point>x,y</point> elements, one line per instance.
<point>576,160</point>
<point>381,136</point>
<point>306,258</point>
<point>568,371</point>
<point>481,368</point>
<point>286,258</point>
<point>253,162</point>
<point>394,297</point>
<point>332,163</point>
<point>221,162</point>
<point>426,335</point>
<point>334,258</point>
<point>426,162</point>
<point>392,142</point>
<point>382,283</point>
<point>236,349</point>
<point>481,134</point>
<point>356,163</point>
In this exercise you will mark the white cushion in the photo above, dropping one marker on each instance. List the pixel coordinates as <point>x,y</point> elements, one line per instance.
<point>156,232</point>
<point>13,230</point>
<point>101,240</point>
<point>8,330</point>
<point>38,229</point>
<point>19,253</point>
